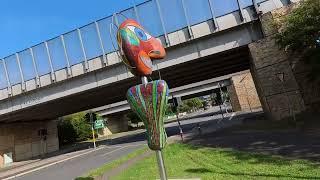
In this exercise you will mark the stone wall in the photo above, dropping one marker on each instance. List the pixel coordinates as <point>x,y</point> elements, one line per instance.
<point>116,123</point>
<point>281,79</point>
<point>24,141</point>
<point>243,93</point>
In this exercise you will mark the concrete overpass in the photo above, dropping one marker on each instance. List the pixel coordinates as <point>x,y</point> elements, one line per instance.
<point>79,71</point>
<point>202,87</point>
<point>212,48</point>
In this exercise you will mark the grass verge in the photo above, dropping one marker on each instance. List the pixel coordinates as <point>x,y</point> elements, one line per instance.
<point>107,167</point>
<point>186,161</point>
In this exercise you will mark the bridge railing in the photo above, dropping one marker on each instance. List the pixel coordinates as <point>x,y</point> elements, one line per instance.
<point>159,17</point>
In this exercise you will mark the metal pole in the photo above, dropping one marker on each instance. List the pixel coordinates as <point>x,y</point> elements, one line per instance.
<point>177,116</point>
<point>105,62</point>
<point>162,169</point>
<point>221,101</point>
<point>21,73</point>
<point>162,23</point>
<point>256,7</point>
<point>50,61</point>
<point>187,19</point>
<point>215,23</point>
<point>136,11</point>
<point>35,67</point>
<point>93,136</point>
<point>241,11</point>
<point>7,76</point>
<point>66,55</point>
<point>83,51</point>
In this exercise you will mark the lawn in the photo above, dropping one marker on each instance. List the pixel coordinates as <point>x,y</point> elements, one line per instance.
<point>186,161</point>
<point>109,166</point>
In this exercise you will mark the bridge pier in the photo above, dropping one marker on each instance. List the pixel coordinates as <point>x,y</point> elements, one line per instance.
<point>281,80</point>
<point>243,93</point>
<point>116,123</point>
<point>25,140</point>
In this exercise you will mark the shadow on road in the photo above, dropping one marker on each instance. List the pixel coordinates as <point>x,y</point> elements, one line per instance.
<point>287,143</point>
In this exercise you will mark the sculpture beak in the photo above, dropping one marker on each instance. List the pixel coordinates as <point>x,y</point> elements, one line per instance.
<point>157,53</point>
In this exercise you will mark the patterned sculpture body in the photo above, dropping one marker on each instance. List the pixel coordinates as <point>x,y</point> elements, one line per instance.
<point>138,47</point>
<point>149,102</point>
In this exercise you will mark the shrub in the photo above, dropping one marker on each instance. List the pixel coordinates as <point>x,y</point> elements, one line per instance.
<point>74,127</point>
<point>300,34</point>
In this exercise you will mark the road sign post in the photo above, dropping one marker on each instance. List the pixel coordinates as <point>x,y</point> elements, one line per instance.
<point>92,128</point>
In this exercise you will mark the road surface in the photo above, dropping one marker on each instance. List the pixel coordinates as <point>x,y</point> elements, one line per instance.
<point>108,152</point>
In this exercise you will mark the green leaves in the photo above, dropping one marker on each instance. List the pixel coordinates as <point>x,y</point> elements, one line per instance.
<point>300,33</point>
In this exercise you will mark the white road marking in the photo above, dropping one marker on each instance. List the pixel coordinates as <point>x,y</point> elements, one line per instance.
<point>232,115</point>
<point>121,147</point>
<point>63,160</point>
<point>51,164</point>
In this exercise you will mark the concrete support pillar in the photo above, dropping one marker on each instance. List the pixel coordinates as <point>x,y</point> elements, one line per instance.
<point>116,123</point>
<point>273,72</point>
<point>28,139</point>
<point>243,93</point>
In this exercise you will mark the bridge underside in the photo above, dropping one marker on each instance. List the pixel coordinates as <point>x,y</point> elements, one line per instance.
<point>220,64</point>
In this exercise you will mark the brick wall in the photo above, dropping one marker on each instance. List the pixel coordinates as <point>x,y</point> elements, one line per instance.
<point>295,94</point>
<point>243,93</point>
<point>117,123</point>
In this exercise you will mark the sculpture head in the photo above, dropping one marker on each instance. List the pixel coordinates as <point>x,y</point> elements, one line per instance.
<point>138,47</point>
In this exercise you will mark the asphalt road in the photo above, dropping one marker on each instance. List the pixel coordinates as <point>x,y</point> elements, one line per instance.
<point>119,147</point>
<point>73,168</point>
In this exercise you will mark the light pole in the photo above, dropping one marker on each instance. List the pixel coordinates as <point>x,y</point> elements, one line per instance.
<point>92,129</point>
<point>221,101</point>
<point>176,103</point>
<point>161,166</point>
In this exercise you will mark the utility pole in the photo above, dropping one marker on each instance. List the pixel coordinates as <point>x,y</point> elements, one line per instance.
<point>92,128</point>
<point>176,105</point>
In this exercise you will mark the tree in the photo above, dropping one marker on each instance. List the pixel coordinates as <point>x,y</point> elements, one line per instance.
<point>74,127</point>
<point>189,105</point>
<point>300,33</point>
<point>134,118</point>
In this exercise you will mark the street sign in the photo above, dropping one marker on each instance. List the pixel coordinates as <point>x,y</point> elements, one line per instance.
<point>99,124</point>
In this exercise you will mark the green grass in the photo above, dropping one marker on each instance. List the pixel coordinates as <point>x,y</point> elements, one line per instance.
<point>185,161</point>
<point>101,170</point>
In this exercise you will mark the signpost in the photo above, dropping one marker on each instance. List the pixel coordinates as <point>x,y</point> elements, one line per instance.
<point>99,124</point>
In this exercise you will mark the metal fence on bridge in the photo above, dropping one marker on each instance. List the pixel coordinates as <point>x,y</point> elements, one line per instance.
<point>159,17</point>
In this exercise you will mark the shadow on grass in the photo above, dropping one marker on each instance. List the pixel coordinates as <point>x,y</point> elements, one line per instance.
<point>198,170</point>
<point>251,158</point>
<point>267,175</point>
<point>287,143</point>
<point>84,178</point>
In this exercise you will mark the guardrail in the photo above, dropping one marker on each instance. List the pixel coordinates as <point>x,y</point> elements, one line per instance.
<point>159,17</point>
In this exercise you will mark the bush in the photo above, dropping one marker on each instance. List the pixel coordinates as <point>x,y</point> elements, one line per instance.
<point>134,118</point>
<point>74,128</point>
<point>300,34</point>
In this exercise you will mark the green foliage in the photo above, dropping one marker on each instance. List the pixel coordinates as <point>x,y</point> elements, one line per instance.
<point>74,127</point>
<point>169,110</point>
<point>134,118</point>
<point>184,108</point>
<point>225,96</point>
<point>189,105</point>
<point>300,32</point>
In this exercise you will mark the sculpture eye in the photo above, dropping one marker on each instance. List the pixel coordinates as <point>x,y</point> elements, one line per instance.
<point>141,34</point>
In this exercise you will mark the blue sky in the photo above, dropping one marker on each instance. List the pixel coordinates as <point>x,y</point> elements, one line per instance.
<point>25,23</point>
